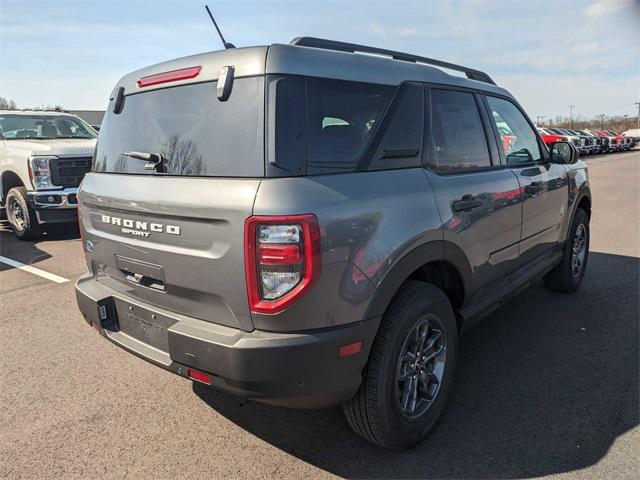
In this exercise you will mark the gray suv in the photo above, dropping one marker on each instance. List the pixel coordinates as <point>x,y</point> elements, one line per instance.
<point>315,224</point>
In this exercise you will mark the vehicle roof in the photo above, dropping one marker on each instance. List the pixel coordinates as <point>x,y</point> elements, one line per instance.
<point>307,61</point>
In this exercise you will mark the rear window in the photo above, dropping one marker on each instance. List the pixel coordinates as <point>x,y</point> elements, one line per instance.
<point>196,134</point>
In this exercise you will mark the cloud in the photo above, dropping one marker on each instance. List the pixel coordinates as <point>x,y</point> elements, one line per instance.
<point>606,7</point>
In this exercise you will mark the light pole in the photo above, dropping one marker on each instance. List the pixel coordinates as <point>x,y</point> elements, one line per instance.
<point>601,121</point>
<point>637,104</point>
<point>571,107</point>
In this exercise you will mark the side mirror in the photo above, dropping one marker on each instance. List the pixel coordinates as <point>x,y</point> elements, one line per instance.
<point>564,153</point>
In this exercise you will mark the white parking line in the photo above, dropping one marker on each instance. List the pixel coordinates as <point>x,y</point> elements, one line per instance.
<point>35,271</point>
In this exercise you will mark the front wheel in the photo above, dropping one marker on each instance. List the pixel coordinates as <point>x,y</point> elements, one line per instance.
<point>410,370</point>
<point>567,276</point>
<point>21,214</point>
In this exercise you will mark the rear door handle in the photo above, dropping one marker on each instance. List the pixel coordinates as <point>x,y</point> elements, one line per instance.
<point>467,202</point>
<point>534,187</point>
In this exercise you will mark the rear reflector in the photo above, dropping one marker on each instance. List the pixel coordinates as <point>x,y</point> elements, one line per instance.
<point>199,376</point>
<point>172,76</point>
<point>350,349</point>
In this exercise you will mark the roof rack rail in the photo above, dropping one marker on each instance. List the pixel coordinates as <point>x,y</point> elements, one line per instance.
<point>406,57</point>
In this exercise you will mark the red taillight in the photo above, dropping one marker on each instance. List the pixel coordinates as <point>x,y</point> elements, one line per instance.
<point>279,254</point>
<point>282,260</point>
<point>172,76</point>
<point>198,376</point>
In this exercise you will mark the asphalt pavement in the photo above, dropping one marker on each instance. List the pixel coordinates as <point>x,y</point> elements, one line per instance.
<point>546,386</point>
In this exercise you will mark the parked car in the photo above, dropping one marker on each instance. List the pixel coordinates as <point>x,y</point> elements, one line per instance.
<point>314,227</point>
<point>573,138</point>
<point>583,143</point>
<point>43,158</point>
<point>634,134</point>
<point>597,142</point>
<point>606,146</point>
<point>587,145</point>
<point>615,142</point>
<point>549,138</point>
<point>623,141</point>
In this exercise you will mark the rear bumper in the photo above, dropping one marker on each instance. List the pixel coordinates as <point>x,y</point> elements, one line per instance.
<point>300,370</point>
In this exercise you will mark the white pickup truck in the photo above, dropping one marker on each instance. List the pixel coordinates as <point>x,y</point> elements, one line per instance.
<point>43,157</point>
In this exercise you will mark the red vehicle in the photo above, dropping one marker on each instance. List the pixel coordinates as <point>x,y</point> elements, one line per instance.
<point>616,142</point>
<point>549,137</point>
<point>624,142</point>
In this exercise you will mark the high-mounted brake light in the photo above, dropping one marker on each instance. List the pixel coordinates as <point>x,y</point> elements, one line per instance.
<point>172,76</point>
<point>282,260</point>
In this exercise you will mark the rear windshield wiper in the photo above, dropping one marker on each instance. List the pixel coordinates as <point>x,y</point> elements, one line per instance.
<point>155,160</point>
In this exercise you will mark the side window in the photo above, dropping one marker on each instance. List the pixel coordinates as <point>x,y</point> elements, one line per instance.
<point>401,140</point>
<point>459,140</point>
<point>517,139</point>
<point>340,119</point>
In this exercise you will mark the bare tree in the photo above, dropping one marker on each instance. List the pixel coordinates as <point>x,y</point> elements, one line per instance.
<point>182,157</point>
<point>120,165</point>
<point>616,123</point>
<point>7,104</point>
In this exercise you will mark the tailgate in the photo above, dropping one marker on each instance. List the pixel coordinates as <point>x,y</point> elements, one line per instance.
<point>173,242</point>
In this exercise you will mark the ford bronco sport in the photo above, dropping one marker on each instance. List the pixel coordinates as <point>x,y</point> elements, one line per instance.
<point>307,225</point>
<point>43,158</point>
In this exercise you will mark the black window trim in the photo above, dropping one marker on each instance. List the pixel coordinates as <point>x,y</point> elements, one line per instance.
<point>541,145</point>
<point>380,129</point>
<point>496,155</point>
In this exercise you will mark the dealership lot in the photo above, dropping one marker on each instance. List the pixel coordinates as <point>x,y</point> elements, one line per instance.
<point>548,385</point>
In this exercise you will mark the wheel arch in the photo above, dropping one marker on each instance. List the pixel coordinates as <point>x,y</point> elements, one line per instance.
<point>8,180</point>
<point>440,263</point>
<point>584,202</point>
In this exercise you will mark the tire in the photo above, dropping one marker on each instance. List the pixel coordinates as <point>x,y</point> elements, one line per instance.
<point>376,411</point>
<point>21,214</point>
<point>567,276</point>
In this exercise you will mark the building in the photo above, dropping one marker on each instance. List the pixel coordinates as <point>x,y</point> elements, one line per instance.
<point>92,117</point>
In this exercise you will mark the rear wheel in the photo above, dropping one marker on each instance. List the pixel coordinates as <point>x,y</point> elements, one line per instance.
<point>410,370</point>
<point>21,214</point>
<point>568,274</point>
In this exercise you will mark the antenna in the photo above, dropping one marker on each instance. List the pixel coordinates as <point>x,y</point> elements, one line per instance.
<point>226,45</point>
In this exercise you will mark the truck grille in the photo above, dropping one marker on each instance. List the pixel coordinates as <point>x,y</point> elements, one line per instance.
<point>69,172</point>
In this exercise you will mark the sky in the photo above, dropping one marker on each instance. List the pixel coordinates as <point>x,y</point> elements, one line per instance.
<point>549,54</point>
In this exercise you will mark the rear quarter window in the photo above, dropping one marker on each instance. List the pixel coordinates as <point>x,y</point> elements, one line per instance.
<point>318,126</point>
